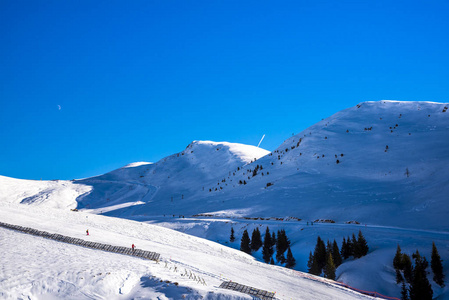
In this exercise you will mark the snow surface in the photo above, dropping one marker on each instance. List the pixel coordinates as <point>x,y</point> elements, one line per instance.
<point>37,268</point>
<point>398,193</point>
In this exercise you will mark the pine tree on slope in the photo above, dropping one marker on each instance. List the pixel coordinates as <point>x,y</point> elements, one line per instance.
<point>282,243</point>
<point>397,260</point>
<point>420,288</point>
<point>232,237</point>
<point>329,268</point>
<point>352,245</point>
<point>245,242</point>
<point>437,266</point>
<point>399,277</point>
<point>408,268</point>
<point>267,250</point>
<point>310,263</point>
<point>404,292</point>
<point>319,255</point>
<point>345,251</point>
<point>361,246</point>
<point>290,262</point>
<point>273,239</point>
<point>256,240</point>
<point>336,254</point>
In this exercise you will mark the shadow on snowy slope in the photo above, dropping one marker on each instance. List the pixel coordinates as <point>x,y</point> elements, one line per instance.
<point>172,290</point>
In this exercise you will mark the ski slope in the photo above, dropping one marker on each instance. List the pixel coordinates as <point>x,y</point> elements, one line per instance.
<point>383,164</point>
<point>34,267</point>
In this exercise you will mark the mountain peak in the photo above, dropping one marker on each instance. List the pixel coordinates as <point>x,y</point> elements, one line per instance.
<point>246,153</point>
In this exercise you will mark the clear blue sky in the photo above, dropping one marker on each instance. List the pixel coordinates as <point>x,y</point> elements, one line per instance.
<point>140,80</point>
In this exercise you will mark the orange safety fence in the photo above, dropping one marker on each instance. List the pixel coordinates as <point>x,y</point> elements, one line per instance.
<point>328,281</point>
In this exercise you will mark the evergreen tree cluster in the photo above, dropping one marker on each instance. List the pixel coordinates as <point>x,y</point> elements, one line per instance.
<point>415,284</point>
<point>281,244</point>
<point>356,247</point>
<point>256,240</point>
<point>325,259</point>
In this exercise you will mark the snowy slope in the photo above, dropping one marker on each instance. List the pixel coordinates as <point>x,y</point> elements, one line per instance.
<point>366,163</point>
<point>39,268</point>
<point>176,177</point>
<point>55,193</point>
<point>398,193</point>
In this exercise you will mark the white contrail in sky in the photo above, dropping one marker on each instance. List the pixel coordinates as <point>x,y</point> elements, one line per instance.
<point>261,140</point>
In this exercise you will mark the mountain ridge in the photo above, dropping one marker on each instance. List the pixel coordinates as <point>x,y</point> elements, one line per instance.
<point>388,154</point>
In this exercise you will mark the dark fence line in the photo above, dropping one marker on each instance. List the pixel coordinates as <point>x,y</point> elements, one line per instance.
<point>264,295</point>
<point>75,241</point>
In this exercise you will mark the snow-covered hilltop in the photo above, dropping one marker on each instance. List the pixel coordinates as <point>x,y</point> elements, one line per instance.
<point>163,184</point>
<point>365,163</point>
<point>52,193</point>
<point>380,162</point>
<point>381,167</point>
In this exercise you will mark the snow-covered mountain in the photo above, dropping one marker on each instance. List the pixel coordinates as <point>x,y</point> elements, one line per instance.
<point>382,164</point>
<point>146,188</point>
<point>54,193</point>
<point>365,164</point>
<point>163,183</point>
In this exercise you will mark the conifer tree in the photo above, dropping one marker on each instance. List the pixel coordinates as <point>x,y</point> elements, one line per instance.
<point>352,245</point>
<point>256,240</point>
<point>420,288</point>
<point>310,263</point>
<point>408,269</point>
<point>437,266</point>
<point>404,292</point>
<point>279,253</point>
<point>280,258</point>
<point>329,268</point>
<point>336,254</point>
<point>319,255</point>
<point>286,240</point>
<point>271,261</point>
<point>345,252</point>
<point>399,277</point>
<point>232,237</point>
<point>362,246</point>
<point>245,242</point>
<point>397,260</point>
<point>282,243</point>
<point>273,239</point>
<point>267,250</point>
<point>328,248</point>
<point>290,262</point>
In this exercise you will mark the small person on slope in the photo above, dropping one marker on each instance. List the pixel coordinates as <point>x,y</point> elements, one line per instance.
<point>87,232</point>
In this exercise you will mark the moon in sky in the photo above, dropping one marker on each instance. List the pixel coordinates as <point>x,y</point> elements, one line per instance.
<point>59,107</point>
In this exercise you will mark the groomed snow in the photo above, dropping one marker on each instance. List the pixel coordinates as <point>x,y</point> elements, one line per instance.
<point>34,267</point>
